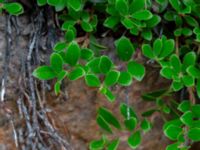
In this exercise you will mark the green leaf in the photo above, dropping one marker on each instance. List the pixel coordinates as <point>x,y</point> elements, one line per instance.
<point>127,111</point>
<point>166,72</point>
<point>172,132</point>
<point>145,125</point>
<point>86,26</point>
<point>86,54</point>
<point>175,4</point>
<point>188,81</point>
<point>191,21</point>
<point>103,124</point>
<point>41,2</point>
<point>125,78</point>
<point>147,34</point>
<point>157,47</point>
<point>70,35</point>
<point>94,65</point>
<point>195,110</point>
<point>125,48</point>
<point>154,21</point>
<point>92,80</point>
<point>176,63</point>
<point>184,106</point>
<point>193,71</point>
<point>175,122</point>
<point>75,4</point>
<point>147,51</point>
<point>187,118</point>
<point>168,48</point>
<point>130,123</point>
<point>76,73</point>
<point>56,62</point>
<point>57,88</point>
<point>109,117</point>
<point>13,8</point>
<point>109,95</point>
<point>105,64</point>
<point>137,70</point>
<point>121,6</point>
<point>194,133</point>
<point>149,112</point>
<point>44,73</point>
<point>111,22</point>
<point>142,15</point>
<point>128,23</point>
<point>189,59</point>
<point>111,77</point>
<point>137,5</point>
<point>113,145</point>
<point>134,140</point>
<point>53,2</point>
<point>60,46</point>
<point>97,144</point>
<point>72,54</point>
<point>173,146</point>
<point>176,86</point>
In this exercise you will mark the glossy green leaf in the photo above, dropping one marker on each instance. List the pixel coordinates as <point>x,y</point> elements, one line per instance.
<point>142,15</point>
<point>145,125</point>
<point>122,6</point>
<point>72,54</point>
<point>109,117</point>
<point>194,133</point>
<point>111,77</point>
<point>92,80</point>
<point>61,75</point>
<point>94,65</point>
<point>70,35</point>
<point>137,5</point>
<point>125,48</point>
<point>44,73</point>
<point>172,132</point>
<point>168,48</point>
<point>13,8</point>
<point>111,22</point>
<point>127,111</point>
<point>87,54</point>
<point>157,47</point>
<point>176,63</point>
<point>60,46</point>
<point>75,4</point>
<point>154,21</point>
<point>147,34</point>
<point>175,4</point>
<point>176,86</point>
<point>56,62</point>
<point>76,73</point>
<point>175,122</point>
<point>188,81</point>
<point>105,64</point>
<point>166,72</point>
<point>86,26</point>
<point>173,146</point>
<point>97,144</point>
<point>53,2</point>
<point>187,118</point>
<point>137,70</point>
<point>109,95</point>
<point>130,123</point>
<point>195,110</point>
<point>193,71</point>
<point>149,112</point>
<point>198,87</point>
<point>134,140</point>
<point>189,59</point>
<point>103,124</point>
<point>57,88</point>
<point>184,106</point>
<point>113,145</point>
<point>147,51</point>
<point>191,21</point>
<point>125,78</point>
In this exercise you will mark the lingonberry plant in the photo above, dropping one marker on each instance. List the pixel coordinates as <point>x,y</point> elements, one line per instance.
<point>165,32</point>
